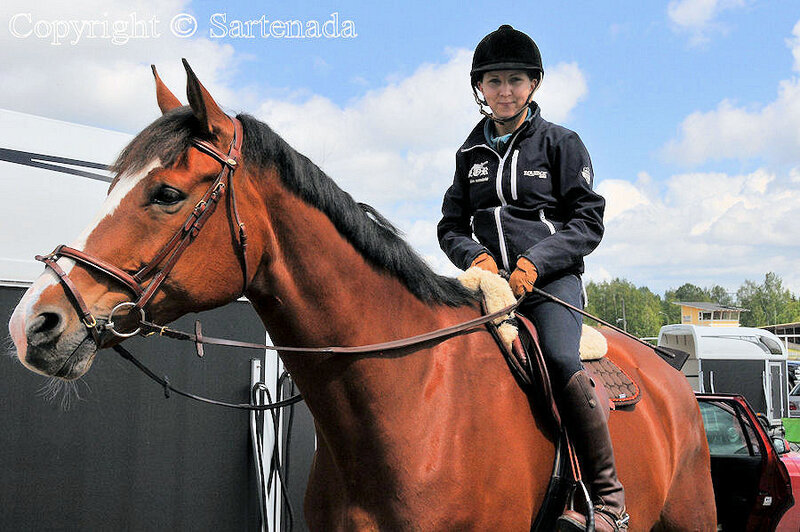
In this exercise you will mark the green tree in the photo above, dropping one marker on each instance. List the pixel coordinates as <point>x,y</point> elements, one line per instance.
<point>768,303</point>
<point>719,295</point>
<point>625,305</point>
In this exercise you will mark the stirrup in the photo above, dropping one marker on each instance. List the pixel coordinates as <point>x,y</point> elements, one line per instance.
<point>587,501</point>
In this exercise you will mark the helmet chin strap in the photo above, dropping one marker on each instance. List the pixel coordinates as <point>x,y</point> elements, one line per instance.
<point>490,116</point>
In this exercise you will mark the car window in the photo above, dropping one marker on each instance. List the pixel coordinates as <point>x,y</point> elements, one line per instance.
<point>795,390</point>
<point>725,432</point>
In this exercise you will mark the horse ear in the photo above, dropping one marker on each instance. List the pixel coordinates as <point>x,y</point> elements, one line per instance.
<point>166,100</point>
<point>210,115</point>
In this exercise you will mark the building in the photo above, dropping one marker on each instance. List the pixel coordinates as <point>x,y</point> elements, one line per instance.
<point>709,314</point>
<point>789,333</point>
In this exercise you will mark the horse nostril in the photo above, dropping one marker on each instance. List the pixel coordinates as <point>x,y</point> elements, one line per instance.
<point>45,328</point>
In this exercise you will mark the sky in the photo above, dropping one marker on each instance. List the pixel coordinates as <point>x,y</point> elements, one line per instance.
<point>690,109</point>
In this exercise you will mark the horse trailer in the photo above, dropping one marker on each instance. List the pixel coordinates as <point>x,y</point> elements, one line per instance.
<point>740,360</point>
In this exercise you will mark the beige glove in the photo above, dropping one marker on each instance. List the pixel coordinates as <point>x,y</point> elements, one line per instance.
<point>523,277</point>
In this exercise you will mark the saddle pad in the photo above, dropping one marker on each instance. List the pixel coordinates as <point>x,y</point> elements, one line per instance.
<point>621,389</point>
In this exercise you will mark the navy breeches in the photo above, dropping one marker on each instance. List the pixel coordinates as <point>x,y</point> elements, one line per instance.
<point>559,328</point>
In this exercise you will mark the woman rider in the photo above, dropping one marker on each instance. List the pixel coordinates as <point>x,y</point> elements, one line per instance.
<point>523,186</point>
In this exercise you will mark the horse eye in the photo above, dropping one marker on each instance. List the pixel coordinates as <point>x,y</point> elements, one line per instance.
<point>165,195</point>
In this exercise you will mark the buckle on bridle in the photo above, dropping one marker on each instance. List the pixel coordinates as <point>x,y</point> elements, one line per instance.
<point>110,322</point>
<point>89,324</point>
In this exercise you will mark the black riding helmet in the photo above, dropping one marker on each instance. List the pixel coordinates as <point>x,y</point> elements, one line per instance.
<point>506,49</point>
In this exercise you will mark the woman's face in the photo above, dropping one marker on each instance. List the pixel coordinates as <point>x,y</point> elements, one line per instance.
<point>506,91</point>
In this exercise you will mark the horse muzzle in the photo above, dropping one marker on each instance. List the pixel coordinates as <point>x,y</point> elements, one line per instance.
<point>50,339</point>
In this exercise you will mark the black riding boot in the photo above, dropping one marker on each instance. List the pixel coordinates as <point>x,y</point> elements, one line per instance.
<point>588,429</point>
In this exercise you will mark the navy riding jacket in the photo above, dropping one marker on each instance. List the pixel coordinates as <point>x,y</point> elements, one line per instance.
<point>534,199</point>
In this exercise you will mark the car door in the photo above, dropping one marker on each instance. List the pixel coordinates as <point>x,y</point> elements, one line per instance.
<point>751,485</point>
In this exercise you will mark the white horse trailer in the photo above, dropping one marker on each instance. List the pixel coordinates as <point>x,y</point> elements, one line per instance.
<point>744,360</point>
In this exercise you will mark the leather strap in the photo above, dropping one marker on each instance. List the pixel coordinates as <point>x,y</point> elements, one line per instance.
<point>72,292</point>
<point>149,328</point>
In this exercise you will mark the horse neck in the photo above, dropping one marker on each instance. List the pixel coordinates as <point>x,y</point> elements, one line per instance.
<point>315,289</point>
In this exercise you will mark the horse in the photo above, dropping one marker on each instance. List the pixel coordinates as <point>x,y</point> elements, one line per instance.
<point>435,437</point>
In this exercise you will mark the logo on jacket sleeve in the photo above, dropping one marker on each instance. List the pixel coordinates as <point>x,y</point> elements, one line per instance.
<point>586,173</point>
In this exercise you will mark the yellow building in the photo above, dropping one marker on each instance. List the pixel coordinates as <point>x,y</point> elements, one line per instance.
<point>709,314</point>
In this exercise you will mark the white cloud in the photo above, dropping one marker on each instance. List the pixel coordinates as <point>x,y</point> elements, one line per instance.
<point>112,81</point>
<point>794,44</point>
<point>701,227</point>
<point>698,17</point>
<point>770,132</point>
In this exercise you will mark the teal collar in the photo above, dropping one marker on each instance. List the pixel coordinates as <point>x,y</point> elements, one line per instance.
<point>499,143</point>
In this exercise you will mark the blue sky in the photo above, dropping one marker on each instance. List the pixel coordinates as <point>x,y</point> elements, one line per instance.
<point>690,109</point>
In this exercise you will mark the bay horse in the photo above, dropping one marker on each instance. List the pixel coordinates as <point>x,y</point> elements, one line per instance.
<point>433,438</point>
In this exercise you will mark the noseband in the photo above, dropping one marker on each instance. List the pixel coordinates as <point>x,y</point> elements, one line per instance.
<point>161,265</point>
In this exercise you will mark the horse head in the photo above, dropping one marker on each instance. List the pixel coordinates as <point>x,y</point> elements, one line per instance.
<point>145,253</point>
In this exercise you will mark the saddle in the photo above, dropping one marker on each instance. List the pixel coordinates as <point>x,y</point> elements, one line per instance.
<point>613,385</point>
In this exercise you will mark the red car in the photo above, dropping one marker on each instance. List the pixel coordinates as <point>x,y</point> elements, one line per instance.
<point>791,519</point>
<point>752,486</point>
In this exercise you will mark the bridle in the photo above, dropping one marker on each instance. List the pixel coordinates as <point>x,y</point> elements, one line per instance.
<point>164,261</point>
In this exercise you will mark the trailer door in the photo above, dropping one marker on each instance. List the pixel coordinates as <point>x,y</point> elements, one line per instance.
<point>777,383</point>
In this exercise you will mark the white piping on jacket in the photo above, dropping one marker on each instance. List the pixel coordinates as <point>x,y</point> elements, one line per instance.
<point>514,174</point>
<point>547,222</point>
<point>501,238</point>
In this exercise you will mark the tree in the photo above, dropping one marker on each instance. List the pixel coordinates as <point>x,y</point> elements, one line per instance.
<point>621,303</point>
<point>768,303</point>
<point>721,296</point>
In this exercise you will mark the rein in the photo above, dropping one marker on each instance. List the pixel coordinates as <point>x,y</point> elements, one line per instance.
<point>432,337</point>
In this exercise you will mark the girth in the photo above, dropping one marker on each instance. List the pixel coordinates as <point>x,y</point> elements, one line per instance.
<point>164,261</point>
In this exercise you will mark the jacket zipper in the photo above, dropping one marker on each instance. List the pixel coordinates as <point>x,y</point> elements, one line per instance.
<point>547,222</point>
<point>514,175</point>
<point>501,239</point>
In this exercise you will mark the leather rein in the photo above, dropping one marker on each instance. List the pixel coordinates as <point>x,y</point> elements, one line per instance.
<point>162,264</point>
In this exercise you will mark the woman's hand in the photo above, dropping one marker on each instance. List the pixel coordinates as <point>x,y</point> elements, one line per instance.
<point>485,262</point>
<point>523,277</point>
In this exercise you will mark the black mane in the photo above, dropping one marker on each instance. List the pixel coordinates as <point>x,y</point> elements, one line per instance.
<point>363,227</point>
